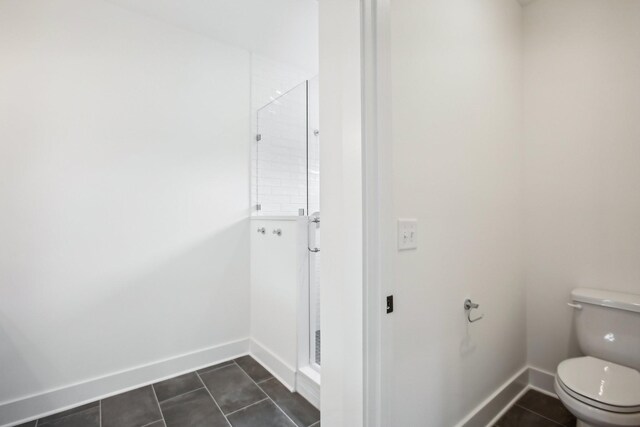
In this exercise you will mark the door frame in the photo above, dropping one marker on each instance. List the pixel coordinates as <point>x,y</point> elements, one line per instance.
<point>378,230</point>
<point>356,201</point>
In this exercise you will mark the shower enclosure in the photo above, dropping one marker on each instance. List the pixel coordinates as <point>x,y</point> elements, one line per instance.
<point>286,183</point>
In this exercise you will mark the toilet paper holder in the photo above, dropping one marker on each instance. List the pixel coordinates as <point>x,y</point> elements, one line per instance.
<point>468,306</point>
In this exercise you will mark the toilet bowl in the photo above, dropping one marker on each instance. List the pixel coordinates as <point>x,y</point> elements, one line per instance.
<point>599,393</point>
<point>602,389</point>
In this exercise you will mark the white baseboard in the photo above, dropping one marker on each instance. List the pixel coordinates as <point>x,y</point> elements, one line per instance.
<point>507,407</point>
<point>284,372</point>
<point>28,408</point>
<point>50,402</point>
<point>308,385</point>
<point>542,380</point>
<point>498,401</point>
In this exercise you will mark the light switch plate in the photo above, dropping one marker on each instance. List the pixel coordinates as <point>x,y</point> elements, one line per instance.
<point>407,234</point>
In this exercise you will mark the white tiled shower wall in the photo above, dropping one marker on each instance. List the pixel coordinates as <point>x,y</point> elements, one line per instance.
<point>278,161</point>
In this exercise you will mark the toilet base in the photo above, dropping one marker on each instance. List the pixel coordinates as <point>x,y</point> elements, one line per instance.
<point>583,424</point>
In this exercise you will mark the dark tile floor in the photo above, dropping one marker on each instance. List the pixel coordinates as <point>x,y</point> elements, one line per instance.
<point>536,409</point>
<point>238,393</point>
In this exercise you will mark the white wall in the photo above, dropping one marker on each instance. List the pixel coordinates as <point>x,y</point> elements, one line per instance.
<point>283,30</point>
<point>582,80</point>
<point>456,100</point>
<point>342,216</point>
<point>270,79</point>
<point>278,273</point>
<point>124,192</point>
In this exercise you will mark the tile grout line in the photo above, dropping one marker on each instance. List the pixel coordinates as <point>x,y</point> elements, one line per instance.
<point>251,404</point>
<point>179,395</point>
<point>159,408</point>
<point>99,412</point>
<point>264,381</point>
<point>213,368</point>
<point>212,398</point>
<point>269,397</point>
<point>540,415</point>
<point>248,406</point>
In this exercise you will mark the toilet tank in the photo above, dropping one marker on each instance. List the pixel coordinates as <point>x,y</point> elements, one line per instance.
<point>608,325</point>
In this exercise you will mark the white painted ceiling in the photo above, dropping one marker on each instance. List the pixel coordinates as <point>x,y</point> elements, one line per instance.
<point>283,30</point>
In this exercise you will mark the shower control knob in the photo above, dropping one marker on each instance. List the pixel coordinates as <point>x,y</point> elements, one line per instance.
<point>262,230</point>
<point>277,231</point>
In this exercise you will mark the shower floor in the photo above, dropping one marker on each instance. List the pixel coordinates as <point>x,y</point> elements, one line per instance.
<point>238,393</point>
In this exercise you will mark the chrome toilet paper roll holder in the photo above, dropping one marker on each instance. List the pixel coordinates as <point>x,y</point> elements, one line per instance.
<point>468,306</point>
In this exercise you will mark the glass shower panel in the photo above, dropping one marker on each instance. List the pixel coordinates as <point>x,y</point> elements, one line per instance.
<point>313,169</point>
<point>313,179</point>
<point>281,155</point>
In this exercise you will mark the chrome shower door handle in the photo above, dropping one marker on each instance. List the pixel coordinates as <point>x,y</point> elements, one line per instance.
<point>314,224</point>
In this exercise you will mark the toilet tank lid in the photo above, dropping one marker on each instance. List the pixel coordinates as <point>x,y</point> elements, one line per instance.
<point>619,300</point>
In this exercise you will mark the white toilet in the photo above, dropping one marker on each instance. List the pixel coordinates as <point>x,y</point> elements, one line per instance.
<point>603,388</point>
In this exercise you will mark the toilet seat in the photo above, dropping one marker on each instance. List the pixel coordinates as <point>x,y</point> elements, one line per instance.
<point>589,415</point>
<point>601,384</point>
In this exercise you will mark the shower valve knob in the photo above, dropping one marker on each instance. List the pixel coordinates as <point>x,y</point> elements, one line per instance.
<point>277,231</point>
<point>262,230</point>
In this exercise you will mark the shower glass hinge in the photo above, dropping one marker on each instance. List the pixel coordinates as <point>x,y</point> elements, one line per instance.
<point>258,207</point>
<point>258,137</point>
